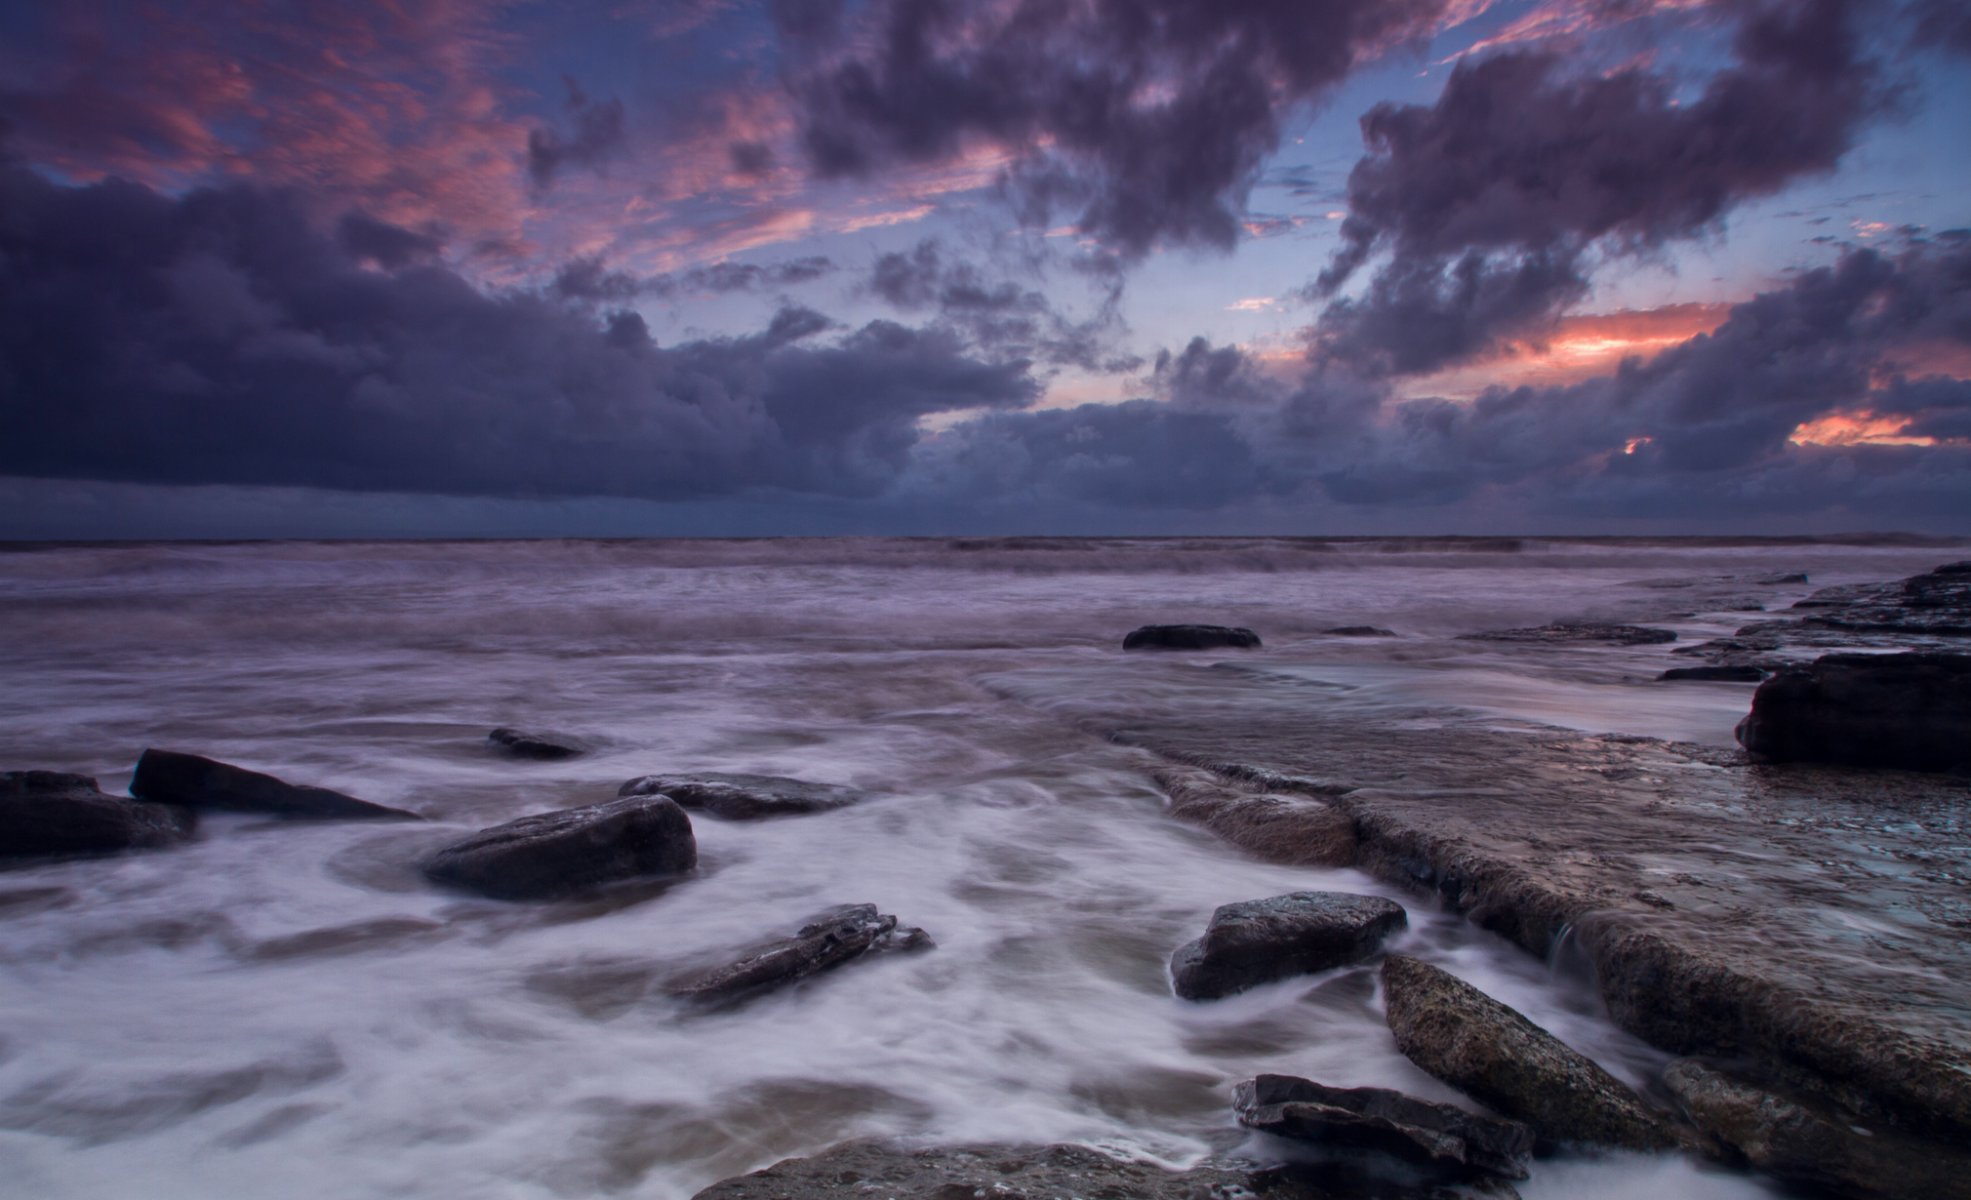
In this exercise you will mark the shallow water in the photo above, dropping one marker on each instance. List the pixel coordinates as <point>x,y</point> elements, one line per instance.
<point>288,1009</point>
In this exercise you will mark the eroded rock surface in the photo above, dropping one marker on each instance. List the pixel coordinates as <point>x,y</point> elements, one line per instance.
<point>564,853</point>
<point>1884,710</point>
<point>169,777</point>
<point>46,813</point>
<point>740,797</point>
<point>1258,941</point>
<point>1619,635</point>
<point>1492,1053</point>
<point>827,941</point>
<point>547,746</point>
<point>1190,637</point>
<point>1283,827</point>
<point>1438,1135</point>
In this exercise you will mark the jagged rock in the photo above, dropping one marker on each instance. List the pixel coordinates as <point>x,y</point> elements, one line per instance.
<point>1802,1143</point>
<point>521,744</point>
<point>739,797</point>
<point>562,853</point>
<point>1725,673</point>
<point>53,813</point>
<point>1359,631</point>
<point>1885,710</point>
<point>168,777</point>
<point>1258,941</point>
<point>1621,635</point>
<point>1371,1118</point>
<point>1190,637</point>
<point>827,941</point>
<point>1935,603</point>
<point>1506,1062</point>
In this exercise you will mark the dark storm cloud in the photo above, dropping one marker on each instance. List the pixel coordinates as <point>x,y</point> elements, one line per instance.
<point>596,137</point>
<point>997,316</point>
<point>219,338</point>
<point>1943,23</point>
<point>388,246</point>
<point>1145,119</point>
<point>1493,204</point>
<point>588,279</point>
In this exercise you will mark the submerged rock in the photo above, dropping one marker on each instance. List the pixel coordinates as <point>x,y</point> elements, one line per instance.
<point>739,797</point>
<point>1506,1062</point>
<point>168,777</point>
<point>563,853</point>
<point>1883,710</point>
<point>1190,637</point>
<point>1621,635</point>
<point>53,813</point>
<point>827,941</point>
<point>521,744</point>
<point>1359,631</point>
<point>1370,1118</point>
<point>1797,1141</point>
<point>1259,941</point>
<point>1725,673</point>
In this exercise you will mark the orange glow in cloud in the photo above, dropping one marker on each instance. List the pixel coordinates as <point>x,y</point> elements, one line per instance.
<point>1580,347</point>
<point>1565,18</point>
<point>1858,428</point>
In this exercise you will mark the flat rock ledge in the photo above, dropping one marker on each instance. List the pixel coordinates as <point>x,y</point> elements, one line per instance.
<point>556,854</point>
<point>520,743</point>
<point>169,777</point>
<point>1190,637</point>
<point>1619,635</point>
<point>1911,711</point>
<point>1258,941</point>
<point>740,797</point>
<point>52,813</point>
<point>1506,1062</point>
<point>1369,1118</point>
<point>828,940</point>
<point>1283,827</point>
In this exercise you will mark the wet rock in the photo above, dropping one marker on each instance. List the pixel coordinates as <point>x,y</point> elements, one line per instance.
<point>1620,635</point>
<point>1723,673</point>
<point>828,940</point>
<point>521,744</point>
<point>1936,603</point>
<point>1359,631</point>
<point>1190,637</point>
<point>564,853</point>
<point>739,797</point>
<point>1895,710</point>
<point>1810,1145</point>
<point>52,813</point>
<point>168,777</point>
<point>1292,828</point>
<point>1506,1062</point>
<point>1258,941</point>
<point>1781,578</point>
<point>1370,1118</point>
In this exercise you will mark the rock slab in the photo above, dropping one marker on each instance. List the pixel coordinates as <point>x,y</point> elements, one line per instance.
<point>546,746</point>
<point>1506,1062</point>
<point>740,797</point>
<point>168,777</point>
<point>1190,637</point>
<point>556,854</point>
<point>44,813</point>
<point>1370,1118</point>
<point>828,940</point>
<point>1258,941</point>
<point>1620,635</point>
<point>1878,710</point>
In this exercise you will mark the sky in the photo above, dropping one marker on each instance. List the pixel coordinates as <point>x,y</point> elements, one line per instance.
<point>718,267</point>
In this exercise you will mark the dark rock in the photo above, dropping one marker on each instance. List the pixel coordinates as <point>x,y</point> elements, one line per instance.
<point>1506,1062</point>
<point>1359,631</point>
<point>1811,1145</point>
<point>52,813</point>
<point>167,777</point>
<point>1936,603</point>
<point>562,853</point>
<point>738,797</point>
<point>1621,635</point>
<point>1724,673</point>
<point>1781,578</point>
<point>521,744</point>
<point>1190,637</point>
<point>1370,1118</point>
<point>827,941</point>
<point>1882,710</point>
<point>1258,941</point>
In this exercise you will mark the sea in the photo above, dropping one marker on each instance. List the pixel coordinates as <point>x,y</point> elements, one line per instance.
<point>286,1009</point>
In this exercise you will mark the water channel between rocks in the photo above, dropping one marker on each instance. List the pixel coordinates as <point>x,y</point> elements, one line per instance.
<point>288,1009</point>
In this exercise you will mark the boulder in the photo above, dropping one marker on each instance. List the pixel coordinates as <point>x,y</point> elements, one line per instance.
<point>521,744</point>
<point>1359,631</point>
<point>1371,1118</point>
<point>1718,674</point>
<point>738,797</point>
<point>1807,1145</point>
<point>1258,941</point>
<point>52,813</point>
<point>1620,635</point>
<point>563,853</point>
<point>1879,710</point>
<point>1509,1064</point>
<point>1190,637</point>
<point>828,940</point>
<point>167,777</point>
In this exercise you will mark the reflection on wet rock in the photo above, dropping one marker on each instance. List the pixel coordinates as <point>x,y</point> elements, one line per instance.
<point>1258,941</point>
<point>564,853</point>
<point>827,941</point>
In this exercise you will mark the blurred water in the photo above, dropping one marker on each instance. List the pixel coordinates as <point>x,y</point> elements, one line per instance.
<point>290,1010</point>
